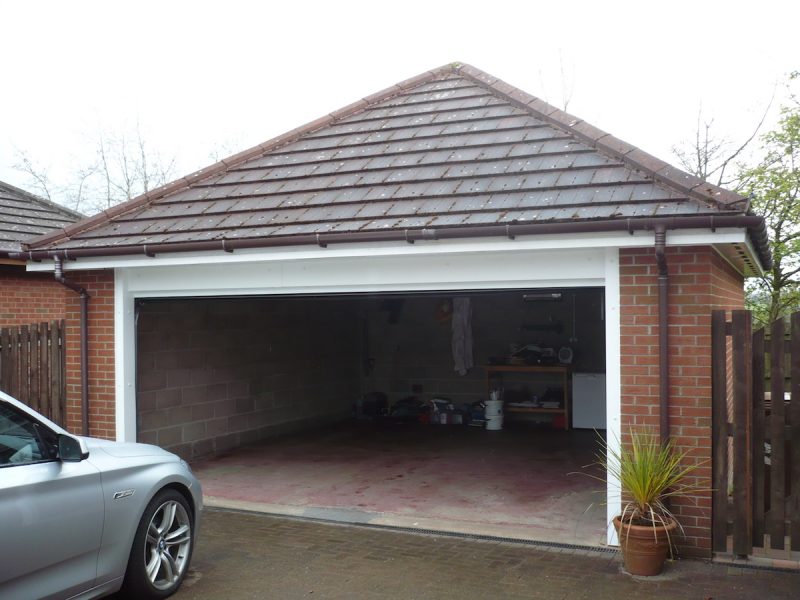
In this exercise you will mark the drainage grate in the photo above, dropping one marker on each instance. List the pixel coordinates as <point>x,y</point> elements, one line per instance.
<point>452,534</point>
<point>728,561</point>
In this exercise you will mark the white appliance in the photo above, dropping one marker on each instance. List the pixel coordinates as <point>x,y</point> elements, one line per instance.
<point>589,400</point>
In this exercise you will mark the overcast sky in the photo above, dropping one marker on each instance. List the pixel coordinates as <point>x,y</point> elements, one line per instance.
<point>216,77</point>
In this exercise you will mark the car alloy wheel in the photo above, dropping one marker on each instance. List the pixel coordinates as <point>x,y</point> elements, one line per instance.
<point>162,548</point>
<point>168,545</point>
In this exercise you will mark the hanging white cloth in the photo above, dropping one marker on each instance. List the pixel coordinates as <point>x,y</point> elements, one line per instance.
<point>462,335</point>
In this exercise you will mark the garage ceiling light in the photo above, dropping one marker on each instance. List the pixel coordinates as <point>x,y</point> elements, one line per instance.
<point>544,296</point>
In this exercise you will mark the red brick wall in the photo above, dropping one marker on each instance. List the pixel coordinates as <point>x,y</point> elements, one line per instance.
<point>700,280</point>
<point>34,297</point>
<point>100,285</point>
<point>29,297</point>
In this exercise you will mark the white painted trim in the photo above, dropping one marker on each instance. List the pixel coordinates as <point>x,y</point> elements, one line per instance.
<point>124,358</point>
<point>752,251</point>
<point>462,246</point>
<point>508,265</point>
<point>510,268</point>
<point>379,273</point>
<point>613,382</point>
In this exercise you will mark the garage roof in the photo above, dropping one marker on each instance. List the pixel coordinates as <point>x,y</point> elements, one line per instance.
<point>24,217</point>
<point>452,152</point>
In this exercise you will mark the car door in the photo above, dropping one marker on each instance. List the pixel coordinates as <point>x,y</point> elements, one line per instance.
<point>51,513</point>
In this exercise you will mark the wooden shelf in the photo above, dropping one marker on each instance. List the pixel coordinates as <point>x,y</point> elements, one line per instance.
<point>532,409</point>
<point>561,370</point>
<point>528,368</point>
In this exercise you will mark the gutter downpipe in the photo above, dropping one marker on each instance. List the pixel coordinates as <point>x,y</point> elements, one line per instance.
<point>663,333</point>
<point>59,276</point>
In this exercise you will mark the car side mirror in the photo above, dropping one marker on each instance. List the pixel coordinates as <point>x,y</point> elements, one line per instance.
<point>71,449</point>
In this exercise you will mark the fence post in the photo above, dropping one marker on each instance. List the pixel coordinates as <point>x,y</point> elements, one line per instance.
<point>794,420</point>
<point>35,398</point>
<point>742,428</point>
<point>777,513</point>
<point>5,359</point>
<point>57,384</point>
<point>719,428</point>
<point>25,364</point>
<point>759,471</point>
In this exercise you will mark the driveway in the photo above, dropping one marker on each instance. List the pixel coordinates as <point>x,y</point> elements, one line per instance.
<point>245,555</point>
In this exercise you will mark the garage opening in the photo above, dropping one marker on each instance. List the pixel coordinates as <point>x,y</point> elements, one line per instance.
<point>462,411</point>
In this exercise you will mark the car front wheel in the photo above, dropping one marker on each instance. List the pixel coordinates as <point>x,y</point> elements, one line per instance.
<point>162,547</point>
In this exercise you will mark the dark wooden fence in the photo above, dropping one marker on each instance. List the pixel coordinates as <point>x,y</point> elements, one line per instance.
<point>32,367</point>
<point>756,446</point>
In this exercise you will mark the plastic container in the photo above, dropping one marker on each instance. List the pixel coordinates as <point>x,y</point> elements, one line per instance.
<point>494,408</point>
<point>494,423</point>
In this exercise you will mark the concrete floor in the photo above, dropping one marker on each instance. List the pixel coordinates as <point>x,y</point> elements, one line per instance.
<point>515,483</point>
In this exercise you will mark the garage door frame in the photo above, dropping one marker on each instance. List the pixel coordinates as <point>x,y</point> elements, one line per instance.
<point>503,265</point>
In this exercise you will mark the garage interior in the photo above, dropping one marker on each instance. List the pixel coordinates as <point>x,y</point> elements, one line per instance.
<point>350,408</point>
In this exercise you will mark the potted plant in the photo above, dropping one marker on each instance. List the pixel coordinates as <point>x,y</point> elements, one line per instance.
<point>649,474</point>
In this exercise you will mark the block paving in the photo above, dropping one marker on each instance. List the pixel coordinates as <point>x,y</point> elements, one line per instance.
<point>245,555</point>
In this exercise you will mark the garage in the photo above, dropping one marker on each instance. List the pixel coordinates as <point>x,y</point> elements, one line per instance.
<point>349,406</point>
<point>255,303</point>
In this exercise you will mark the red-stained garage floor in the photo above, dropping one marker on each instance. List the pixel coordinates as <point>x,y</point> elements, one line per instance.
<point>512,483</point>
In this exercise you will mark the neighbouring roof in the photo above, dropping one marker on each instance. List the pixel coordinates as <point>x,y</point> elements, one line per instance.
<point>24,217</point>
<point>452,152</point>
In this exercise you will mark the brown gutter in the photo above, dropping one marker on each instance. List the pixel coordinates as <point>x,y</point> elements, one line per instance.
<point>59,276</point>
<point>754,225</point>
<point>663,333</point>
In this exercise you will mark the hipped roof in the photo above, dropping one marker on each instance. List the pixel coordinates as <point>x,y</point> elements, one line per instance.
<point>24,217</point>
<point>452,152</point>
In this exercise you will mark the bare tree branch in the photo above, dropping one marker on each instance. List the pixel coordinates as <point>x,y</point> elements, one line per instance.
<point>41,182</point>
<point>124,167</point>
<point>709,158</point>
<point>731,157</point>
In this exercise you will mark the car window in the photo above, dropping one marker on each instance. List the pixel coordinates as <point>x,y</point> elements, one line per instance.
<point>23,440</point>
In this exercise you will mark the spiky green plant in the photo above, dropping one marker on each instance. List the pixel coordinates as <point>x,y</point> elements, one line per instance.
<point>649,474</point>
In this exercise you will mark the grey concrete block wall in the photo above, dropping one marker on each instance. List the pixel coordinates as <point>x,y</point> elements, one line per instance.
<point>409,342</point>
<point>218,373</point>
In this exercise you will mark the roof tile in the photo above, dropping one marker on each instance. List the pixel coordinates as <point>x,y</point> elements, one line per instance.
<point>646,162</point>
<point>25,217</point>
<point>588,132</point>
<point>350,109</point>
<point>449,148</point>
<point>540,106</point>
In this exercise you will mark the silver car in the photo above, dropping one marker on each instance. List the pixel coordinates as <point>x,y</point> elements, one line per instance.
<point>83,517</point>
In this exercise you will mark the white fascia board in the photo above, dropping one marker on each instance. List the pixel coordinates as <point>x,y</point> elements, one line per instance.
<point>689,237</point>
<point>703,237</point>
<point>376,273</point>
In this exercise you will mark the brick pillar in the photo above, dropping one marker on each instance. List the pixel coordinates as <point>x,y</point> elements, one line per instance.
<point>699,281</point>
<point>100,285</point>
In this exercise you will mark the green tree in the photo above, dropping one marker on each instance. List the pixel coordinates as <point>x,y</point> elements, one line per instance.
<point>774,186</point>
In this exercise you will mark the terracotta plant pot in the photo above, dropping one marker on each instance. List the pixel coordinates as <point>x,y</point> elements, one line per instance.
<point>644,551</point>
